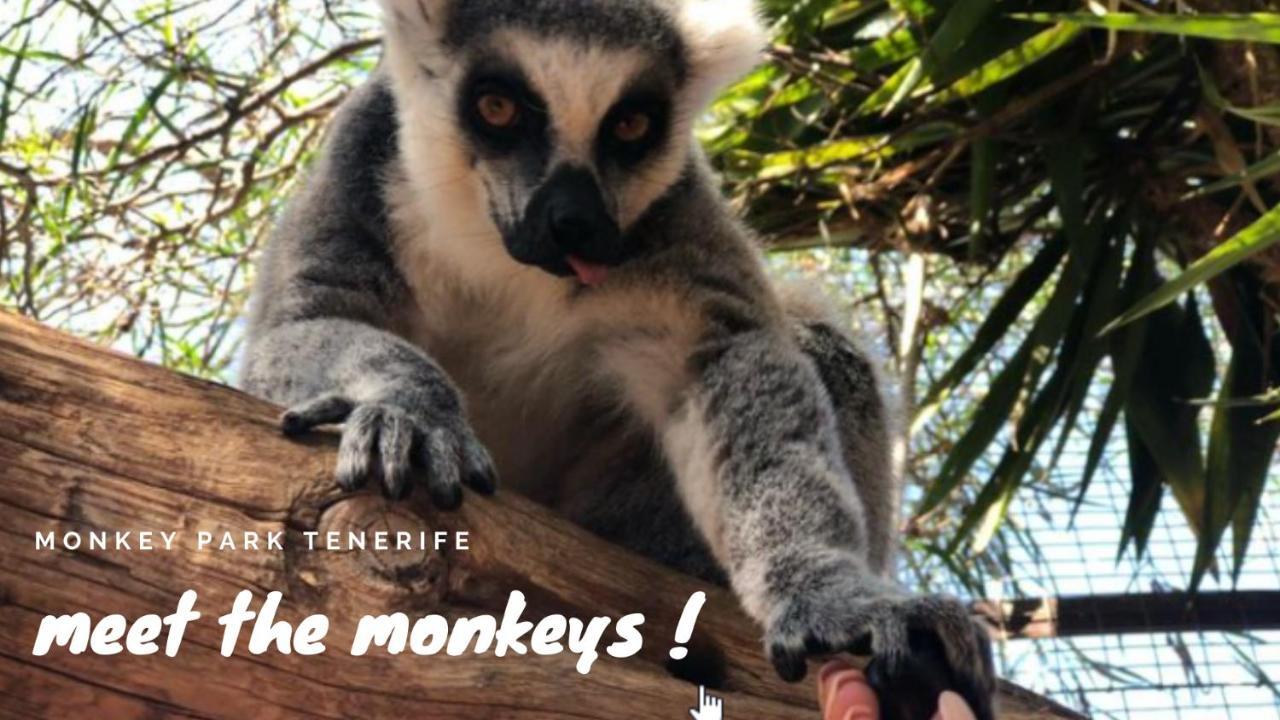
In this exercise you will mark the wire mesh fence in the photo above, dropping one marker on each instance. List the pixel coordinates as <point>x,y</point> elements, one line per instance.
<point>1056,548</point>
<point>1061,544</point>
<point>1191,674</point>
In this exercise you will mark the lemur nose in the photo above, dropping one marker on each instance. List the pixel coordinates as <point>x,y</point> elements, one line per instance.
<point>571,228</point>
<point>576,218</point>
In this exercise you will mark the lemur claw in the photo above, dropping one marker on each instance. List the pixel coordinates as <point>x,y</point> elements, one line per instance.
<point>392,446</point>
<point>919,647</point>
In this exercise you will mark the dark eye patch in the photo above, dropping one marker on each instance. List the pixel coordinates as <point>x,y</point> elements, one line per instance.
<point>527,134</point>
<point>654,105</point>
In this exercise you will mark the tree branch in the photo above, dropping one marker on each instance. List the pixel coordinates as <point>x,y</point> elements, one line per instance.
<point>90,440</point>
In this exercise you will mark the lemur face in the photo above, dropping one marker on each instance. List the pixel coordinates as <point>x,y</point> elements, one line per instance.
<point>560,121</point>
<point>572,142</point>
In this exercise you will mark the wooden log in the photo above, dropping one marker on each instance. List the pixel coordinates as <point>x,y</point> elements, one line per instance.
<point>92,440</point>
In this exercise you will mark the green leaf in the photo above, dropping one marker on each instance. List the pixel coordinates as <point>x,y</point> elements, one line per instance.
<point>1066,159</point>
<point>1260,170</point>
<point>1241,445</point>
<point>84,127</point>
<point>916,10</point>
<point>962,20</point>
<point>1030,281</point>
<point>905,84</point>
<point>874,147</point>
<point>989,510</point>
<point>1177,372</point>
<point>1252,240</point>
<point>984,165</point>
<point>1240,452</point>
<point>908,76</point>
<point>1145,492</point>
<point>781,164</point>
<point>846,12</point>
<point>10,82</point>
<point>34,54</point>
<point>1256,27</point>
<point>982,186</point>
<point>894,47</point>
<point>987,420</point>
<point>1008,64</point>
<point>1101,299</point>
<point>1023,371</point>
<point>983,518</point>
<point>1126,358</point>
<point>1103,426</point>
<point>139,115</point>
<point>1265,115</point>
<point>1066,168</point>
<point>1061,398</point>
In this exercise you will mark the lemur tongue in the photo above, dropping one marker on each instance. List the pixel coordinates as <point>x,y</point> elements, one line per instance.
<point>588,274</point>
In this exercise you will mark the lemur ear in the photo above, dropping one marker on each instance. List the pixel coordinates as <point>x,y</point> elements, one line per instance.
<point>414,19</point>
<point>725,39</point>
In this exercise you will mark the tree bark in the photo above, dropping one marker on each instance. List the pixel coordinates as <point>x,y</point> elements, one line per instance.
<point>92,440</point>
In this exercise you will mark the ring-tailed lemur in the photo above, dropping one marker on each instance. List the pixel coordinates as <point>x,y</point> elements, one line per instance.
<point>512,256</point>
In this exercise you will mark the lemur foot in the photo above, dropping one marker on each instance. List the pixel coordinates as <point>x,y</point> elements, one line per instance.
<point>390,445</point>
<point>920,646</point>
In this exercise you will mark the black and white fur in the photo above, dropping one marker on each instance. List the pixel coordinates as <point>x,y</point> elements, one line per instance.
<point>685,407</point>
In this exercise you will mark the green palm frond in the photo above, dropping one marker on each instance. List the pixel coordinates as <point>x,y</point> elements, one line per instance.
<point>1084,148</point>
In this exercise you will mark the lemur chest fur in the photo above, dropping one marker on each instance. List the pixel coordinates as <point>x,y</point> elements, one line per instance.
<point>547,367</point>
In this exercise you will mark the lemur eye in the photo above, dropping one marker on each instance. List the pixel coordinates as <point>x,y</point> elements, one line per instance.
<point>633,127</point>
<point>499,111</point>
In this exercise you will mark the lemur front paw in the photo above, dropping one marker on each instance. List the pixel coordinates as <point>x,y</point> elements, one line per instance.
<point>919,645</point>
<point>391,445</point>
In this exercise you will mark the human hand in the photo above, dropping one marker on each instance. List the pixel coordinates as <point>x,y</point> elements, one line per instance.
<point>844,694</point>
